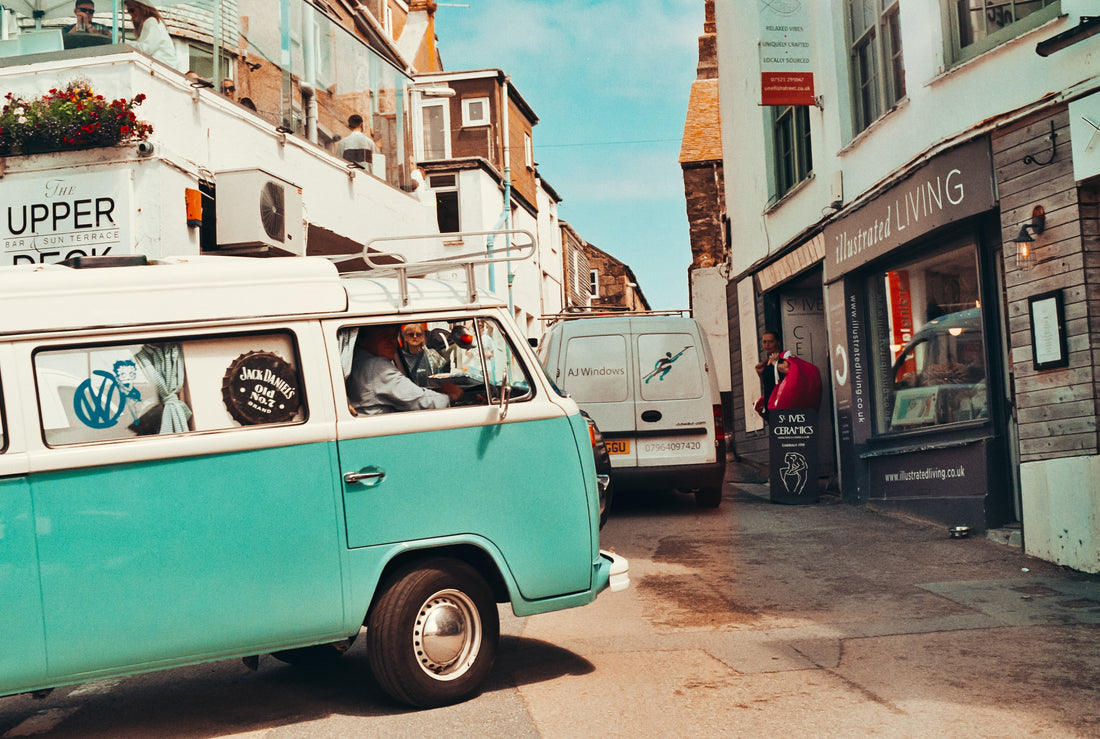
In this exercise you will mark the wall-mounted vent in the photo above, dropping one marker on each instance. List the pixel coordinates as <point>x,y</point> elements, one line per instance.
<point>256,208</point>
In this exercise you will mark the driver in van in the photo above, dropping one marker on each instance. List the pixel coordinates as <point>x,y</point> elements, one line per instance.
<point>377,386</point>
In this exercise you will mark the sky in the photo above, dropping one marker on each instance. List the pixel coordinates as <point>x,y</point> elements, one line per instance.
<point>609,82</point>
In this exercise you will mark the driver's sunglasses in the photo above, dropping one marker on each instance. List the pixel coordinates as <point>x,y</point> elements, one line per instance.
<point>414,334</point>
<point>89,11</point>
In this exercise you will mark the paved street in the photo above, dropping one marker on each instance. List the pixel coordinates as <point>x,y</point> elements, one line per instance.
<point>753,620</point>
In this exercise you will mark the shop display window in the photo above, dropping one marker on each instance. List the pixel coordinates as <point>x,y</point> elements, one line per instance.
<point>927,323</point>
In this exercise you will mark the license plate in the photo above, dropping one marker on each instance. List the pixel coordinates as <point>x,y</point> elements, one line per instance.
<point>618,446</point>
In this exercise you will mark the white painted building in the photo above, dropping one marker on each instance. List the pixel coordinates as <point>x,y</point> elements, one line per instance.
<point>885,214</point>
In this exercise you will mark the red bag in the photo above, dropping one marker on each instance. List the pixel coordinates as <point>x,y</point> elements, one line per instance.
<point>799,388</point>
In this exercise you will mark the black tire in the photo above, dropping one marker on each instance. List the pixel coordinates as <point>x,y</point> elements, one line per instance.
<point>605,503</point>
<point>319,655</point>
<point>710,497</point>
<point>452,600</point>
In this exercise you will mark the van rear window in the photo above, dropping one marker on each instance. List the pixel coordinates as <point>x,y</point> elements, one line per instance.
<point>144,388</point>
<point>669,366</point>
<point>595,369</point>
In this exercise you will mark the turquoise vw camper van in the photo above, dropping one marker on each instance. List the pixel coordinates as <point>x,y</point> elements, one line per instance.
<point>184,478</point>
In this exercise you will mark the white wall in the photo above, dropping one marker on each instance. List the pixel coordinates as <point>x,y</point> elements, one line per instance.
<point>708,305</point>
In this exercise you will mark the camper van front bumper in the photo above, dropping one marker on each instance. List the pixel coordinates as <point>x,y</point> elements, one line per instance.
<point>619,573</point>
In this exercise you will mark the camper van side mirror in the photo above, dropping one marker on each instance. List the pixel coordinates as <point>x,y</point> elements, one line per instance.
<point>534,343</point>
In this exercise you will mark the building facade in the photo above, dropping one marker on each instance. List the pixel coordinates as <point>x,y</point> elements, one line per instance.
<point>254,115</point>
<point>705,198</point>
<point>879,219</point>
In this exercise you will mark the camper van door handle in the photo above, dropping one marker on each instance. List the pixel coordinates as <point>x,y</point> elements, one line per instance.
<point>651,416</point>
<point>369,476</point>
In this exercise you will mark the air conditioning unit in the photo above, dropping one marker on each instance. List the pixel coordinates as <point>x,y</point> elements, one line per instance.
<point>256,208</point>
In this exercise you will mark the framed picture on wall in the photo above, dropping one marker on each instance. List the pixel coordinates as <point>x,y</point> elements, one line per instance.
<point>1047,314</point>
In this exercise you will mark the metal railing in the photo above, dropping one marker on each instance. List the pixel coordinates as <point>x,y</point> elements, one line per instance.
<point>395,264</point>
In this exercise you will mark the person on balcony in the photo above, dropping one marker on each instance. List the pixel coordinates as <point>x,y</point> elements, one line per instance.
<point>84,10</point>
<point>356,146</point>
<point>152,36</point>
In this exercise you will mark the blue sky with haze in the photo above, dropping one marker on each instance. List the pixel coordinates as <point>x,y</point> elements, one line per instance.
<point>609,82</point>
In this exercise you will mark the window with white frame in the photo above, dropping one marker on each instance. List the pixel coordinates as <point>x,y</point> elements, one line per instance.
<point>980,25</point>
<point>436,129</point>
<point>793,158</point>
<point>877,72</point>
<point>475,111</point>
<point>528,150</point>
<point>594,283</point>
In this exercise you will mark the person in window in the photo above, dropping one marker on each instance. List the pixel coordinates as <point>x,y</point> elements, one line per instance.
<point>229,88</point>
<point>152,36</point>
<point>417,361</point>
<point>84,10</point>
<point>377,386</point>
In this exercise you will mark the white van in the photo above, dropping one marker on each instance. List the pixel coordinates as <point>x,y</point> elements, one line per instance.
<point>183,478</point>
<point>648,382</point>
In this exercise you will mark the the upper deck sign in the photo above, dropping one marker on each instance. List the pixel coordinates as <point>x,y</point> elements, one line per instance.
<point>63,215</point>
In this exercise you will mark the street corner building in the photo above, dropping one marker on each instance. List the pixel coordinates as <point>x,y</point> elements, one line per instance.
<point>930,245</point>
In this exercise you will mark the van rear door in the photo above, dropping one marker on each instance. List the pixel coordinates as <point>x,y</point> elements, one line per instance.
<point>674,421</point>
<point>597,374</point>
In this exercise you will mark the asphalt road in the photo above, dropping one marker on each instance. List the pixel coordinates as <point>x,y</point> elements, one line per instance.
<point>754,619</point>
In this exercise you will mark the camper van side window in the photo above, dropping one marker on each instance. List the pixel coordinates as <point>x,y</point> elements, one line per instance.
<point>124,391</point>
<point>429,365</point>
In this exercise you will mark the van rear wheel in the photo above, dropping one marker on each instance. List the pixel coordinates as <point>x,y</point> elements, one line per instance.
<point>709,497</point>
<point>432,636</point>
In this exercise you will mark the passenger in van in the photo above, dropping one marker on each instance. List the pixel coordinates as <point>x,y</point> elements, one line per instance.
<point>416,360</point>
<point>377,386</point>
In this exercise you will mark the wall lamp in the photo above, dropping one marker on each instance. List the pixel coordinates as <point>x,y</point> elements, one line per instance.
<point>1025,250</point>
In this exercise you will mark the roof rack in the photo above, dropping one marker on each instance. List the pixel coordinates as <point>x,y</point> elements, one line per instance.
<point>390,264</point>
<point>610,311</point>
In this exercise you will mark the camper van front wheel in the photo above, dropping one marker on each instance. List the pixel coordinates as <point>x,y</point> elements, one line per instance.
<point>432,636</point>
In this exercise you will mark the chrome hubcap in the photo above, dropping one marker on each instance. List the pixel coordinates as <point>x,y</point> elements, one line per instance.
<point>447,635</point>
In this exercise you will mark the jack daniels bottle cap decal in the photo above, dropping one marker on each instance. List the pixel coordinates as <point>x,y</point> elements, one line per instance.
<point>260,387</point>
